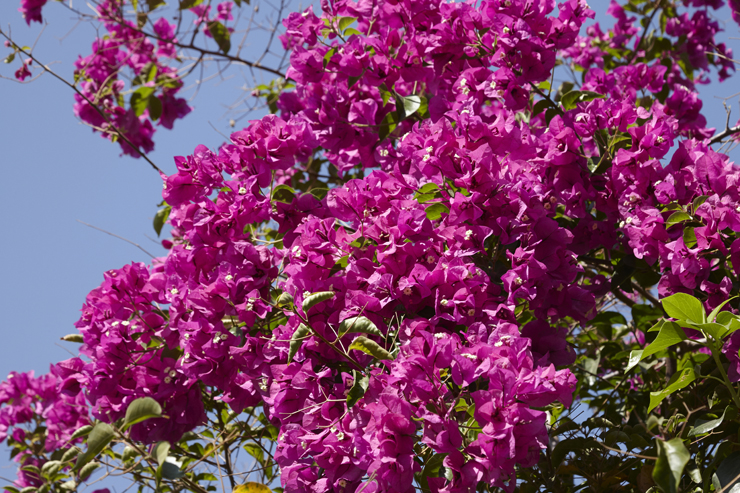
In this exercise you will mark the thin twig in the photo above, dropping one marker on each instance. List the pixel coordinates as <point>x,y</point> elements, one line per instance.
<point>119,237</point>
<point>74,88</point>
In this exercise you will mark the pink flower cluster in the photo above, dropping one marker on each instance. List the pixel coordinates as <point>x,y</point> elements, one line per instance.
<point>125,46</point>
<point>30,403</point>
<point>463,245</point>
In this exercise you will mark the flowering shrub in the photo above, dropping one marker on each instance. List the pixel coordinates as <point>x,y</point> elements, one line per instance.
<point>403,276</point>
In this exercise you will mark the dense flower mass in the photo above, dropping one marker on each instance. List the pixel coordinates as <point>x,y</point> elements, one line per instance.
<point>40,411</point>
<point>418,301</point>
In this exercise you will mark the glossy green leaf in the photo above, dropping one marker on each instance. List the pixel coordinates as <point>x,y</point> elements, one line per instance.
<point>717,309</point>
<point>635,358</point>
<point>50,468</point>
<point>670,334</point>
<point>285,299</point>
<point>676,218</point>
<point>345,22</point>
<point>679,381</point>
<point>255,451</point>
<point>727,477</point>
<point>171,469</point>
<point>359,325</point>
<point>571,99</point>
<point>189,4</point>
<point>359,386</point>
<point>432,469</point>
<point>706,426</point>
<point>682,306</point>
<point>140,410</point>
<point>88,469</point>
<point>327,57</point>
<point>81,432</point>
<point>160,218</point>
<point>301,333</point>
<point>155,107</point>
<point>672,458</point>
<point>70,454</point>
<point>74,338</point>
<point>221,35</point>
<point>407,105</point>
<point>316,298</point>
<point>370,347</point>
<point>99,438</point>
<point>436,210</point>
<point>283,193</point>
<point>140,99</point>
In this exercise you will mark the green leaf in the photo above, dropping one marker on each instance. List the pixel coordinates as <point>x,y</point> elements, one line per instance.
<point>9,58</point>
<point>88,469</point>
<point>220,35</point>
<point>432,469</point>
<point>698,201</point>
<point>568,445</point>
<point>677,217</point>
<point>717,331</point>
<point>540,106</point>
<point>717,309</point>
<point>359,325</point>
<point>635,358</point>
<point>706,426</point>
<point>283,193</point>
<point>345,22</point>
<point>155,107</point>
<point>316,298</point>
<point>171,469</point>
<point>670,334</point>
<point>81,432</point>
<point>677,382</point>
<point>160,218</point>
<point>352,31</point>
<point>729,320</point>
<point>436,210</point>
<point>672,458</point>
<point>129,453</point>
<point>407,105</point>
<point>50,468</point>
<point>73,338</point>
<point>727,476</point>
<point>682,306</point>
<point>255,451</point>
<point>160,452</point>
<point>572,98</point>
<point>285,299</point>
<point>428,188</point>
<point>689,237</point>
<point>643,315</point>
<point>327,57</point>
<point>70,454</point>
<point>153,4</point>
<point>189,4</point>
<point>140,99</point>
<point>370,347</point>
<point>359,386</point>
<point>99,438</point>
<point>140,410</point>
<point>301,333</point>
